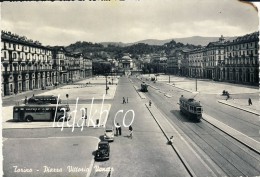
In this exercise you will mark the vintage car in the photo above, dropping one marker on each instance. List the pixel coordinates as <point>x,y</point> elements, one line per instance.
<point>102,153</point>
<point>109,134</point>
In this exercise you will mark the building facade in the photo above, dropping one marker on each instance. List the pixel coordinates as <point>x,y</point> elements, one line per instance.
<point>28,65</point>
<point>213,55</point>
<point>196,67</point>
<point>234,61</point>
<point>25,64</point>
<point>241,63</point>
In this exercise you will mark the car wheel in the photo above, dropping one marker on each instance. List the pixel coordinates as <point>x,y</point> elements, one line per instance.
<point>29,118</point>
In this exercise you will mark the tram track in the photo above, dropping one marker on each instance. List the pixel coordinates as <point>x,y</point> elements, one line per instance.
<point>230,115</point>
<point>215,139</point>
<point>230,155</point>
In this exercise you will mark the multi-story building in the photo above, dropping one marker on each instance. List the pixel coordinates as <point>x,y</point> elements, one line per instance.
<point>196,63</point>
<point>60,64</point>
<point>87,63</point>
<point>26,64</point>
<point>241,63</point>
<point>177,62</point>
<point>236,61</point>
<point>213,55</point>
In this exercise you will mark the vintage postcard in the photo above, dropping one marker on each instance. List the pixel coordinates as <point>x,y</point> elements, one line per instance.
<point>130,88</point>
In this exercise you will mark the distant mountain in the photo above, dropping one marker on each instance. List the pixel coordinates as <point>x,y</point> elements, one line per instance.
<point>195,40</point>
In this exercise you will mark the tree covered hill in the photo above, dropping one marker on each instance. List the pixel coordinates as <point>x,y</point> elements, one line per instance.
<point>116,51</point>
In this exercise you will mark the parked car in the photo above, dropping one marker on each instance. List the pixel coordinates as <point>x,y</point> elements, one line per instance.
<point>102,153</point>
<point>109,134</point>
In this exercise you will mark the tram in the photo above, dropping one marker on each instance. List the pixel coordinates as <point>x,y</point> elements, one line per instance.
<point>144,87</point>
<point>191,108</point>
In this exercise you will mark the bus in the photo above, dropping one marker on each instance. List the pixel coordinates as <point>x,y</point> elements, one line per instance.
<point>49,112</point>
<point>44,99</point>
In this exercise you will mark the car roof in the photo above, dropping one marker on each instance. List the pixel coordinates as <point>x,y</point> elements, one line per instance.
<point>103,142</point>
<point>109,128</point>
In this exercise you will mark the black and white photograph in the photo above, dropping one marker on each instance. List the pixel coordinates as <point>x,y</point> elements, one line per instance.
<point>130,88</point>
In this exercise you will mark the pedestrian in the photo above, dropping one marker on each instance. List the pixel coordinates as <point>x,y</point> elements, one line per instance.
<point>170,140</point>
<point>127,100</point>
<point>25,100</point>
<point>227,95</point>
<point>150,103</point>
<point>131,131</point>
<point>119,129</point>
<point>249,101</point>
<point>123,100</point>
<point>116,131</point>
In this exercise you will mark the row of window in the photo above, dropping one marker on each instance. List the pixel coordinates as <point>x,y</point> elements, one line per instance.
<point>19,47</point>
<point>24,56</point>
<point>241,53</point>
<point>242,46</point>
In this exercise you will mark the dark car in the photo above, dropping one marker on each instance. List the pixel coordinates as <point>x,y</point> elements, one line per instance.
<point>102,153</point>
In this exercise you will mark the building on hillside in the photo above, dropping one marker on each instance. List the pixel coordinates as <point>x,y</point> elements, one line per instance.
<point>25,64</point>
<point>241,63</point>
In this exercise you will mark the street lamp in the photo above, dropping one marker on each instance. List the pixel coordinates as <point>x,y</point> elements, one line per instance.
<point>169,78</point>
<point>196,78</point>
<point>106,83</point>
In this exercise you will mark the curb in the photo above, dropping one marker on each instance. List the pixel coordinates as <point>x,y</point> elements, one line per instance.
<point>168,96</point>
<point>237,135</point>
<point>180,88</point>
<point>237,107</point>
<point>186,165</point>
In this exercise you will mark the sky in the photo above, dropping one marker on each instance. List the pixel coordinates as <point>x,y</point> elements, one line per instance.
<point>64,23</point>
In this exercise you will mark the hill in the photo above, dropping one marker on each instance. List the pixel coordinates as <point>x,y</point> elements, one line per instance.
<point>195,40</point>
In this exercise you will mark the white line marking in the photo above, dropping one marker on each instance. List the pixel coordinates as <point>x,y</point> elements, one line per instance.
<point>90,168</point>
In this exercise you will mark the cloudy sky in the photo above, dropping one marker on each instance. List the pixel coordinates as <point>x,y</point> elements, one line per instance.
<point>63,23</point>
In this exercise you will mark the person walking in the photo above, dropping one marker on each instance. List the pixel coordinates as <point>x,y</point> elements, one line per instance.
<point>126,99</point>
<point>227,95</point>
<point>25,100</point>
<point>249,101</point>
<point>119,129</point>
<point>131,131</point>
<point>123,100</point>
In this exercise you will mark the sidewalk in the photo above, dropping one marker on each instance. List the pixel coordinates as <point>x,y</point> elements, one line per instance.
<point>242,104</point>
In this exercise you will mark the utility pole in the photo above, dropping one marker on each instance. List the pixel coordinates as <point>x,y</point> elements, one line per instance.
<point>106,84</point>
<point>196,78</point>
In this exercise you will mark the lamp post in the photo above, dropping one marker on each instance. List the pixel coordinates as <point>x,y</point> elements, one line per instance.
<point>169,78</point>
<point>196,78</point>
<point>106,83</point>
